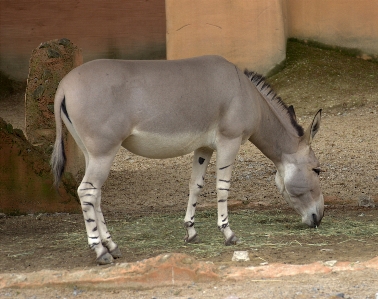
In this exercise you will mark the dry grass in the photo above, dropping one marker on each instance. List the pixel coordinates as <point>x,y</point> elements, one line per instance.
<point>256,230</point>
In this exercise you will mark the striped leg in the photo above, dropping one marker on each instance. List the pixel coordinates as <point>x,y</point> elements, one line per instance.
<point>106,238</point>
<point>226,154</point>
<point>89,193</point>
<point>201,160</point>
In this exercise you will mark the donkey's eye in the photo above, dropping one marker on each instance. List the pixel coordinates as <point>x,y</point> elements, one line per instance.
<point>317,170</point>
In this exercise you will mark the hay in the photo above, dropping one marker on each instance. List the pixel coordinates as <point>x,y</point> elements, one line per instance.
<point>256,230</point>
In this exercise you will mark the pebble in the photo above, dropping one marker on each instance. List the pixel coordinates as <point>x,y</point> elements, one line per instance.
<point>366,201</point>
<point>330,263</point>
<point>77,292</point>
<point>240,256</point>
<point>39,216</point>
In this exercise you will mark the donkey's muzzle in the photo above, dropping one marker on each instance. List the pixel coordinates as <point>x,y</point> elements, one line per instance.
<point>316,220</point>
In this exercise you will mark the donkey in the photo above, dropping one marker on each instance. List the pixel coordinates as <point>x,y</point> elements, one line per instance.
<point>164,109</point>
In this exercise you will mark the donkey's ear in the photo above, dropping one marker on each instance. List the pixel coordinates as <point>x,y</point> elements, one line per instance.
<point>313,128</point>
<point>291,111</point>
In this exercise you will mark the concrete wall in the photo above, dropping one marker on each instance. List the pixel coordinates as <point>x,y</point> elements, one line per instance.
<point>345,23</point>
<point>115,29</point>
<point>251,34</point>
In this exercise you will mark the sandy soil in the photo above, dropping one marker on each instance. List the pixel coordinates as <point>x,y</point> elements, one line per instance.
<point>356,285</point>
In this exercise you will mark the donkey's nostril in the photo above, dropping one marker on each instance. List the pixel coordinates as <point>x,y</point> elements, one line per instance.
<point>315,220</point>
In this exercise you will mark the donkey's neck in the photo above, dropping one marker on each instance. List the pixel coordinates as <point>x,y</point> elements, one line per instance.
<point>275,135</point>
<point>278,131</point>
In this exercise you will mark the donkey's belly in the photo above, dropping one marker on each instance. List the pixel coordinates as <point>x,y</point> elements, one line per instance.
<point>158,146</point>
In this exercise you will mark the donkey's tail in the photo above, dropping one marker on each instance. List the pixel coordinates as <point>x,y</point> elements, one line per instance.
<point>58,157</point>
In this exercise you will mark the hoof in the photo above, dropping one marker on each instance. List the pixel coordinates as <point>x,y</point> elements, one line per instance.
<point>116,253</point>
<point>233,240</point>
<point>105,259</point>
<point>194,240</point>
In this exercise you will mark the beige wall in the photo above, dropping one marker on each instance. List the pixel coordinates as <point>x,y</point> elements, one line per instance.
<point>251,34</point>
<point>345,23</point>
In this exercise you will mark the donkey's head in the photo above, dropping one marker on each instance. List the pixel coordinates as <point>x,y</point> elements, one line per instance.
<point>297,178</point>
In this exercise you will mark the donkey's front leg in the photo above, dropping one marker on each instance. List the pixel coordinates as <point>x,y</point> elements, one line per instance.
<point>226,154</point>
<point>201,160</point>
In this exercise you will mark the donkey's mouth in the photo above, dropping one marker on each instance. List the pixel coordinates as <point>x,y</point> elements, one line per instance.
<point>312,220</point>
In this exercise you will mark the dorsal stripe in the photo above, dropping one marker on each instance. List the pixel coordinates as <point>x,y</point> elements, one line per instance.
<point>268,93</point>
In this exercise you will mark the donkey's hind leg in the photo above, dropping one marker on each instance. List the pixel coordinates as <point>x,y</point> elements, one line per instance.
<point>201,159</point>
<point>106,239</point>
<point>89,193</point>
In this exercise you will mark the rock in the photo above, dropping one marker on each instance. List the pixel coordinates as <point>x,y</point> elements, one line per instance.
<point>240,256</point>
<point>38,92</point>
<point>330,263</point>
<point>49,63</point>
<point>26,179</point>
<point>366,201</point>
<point>53,53</point>
<point>64,42</point>
<point>9,128</point>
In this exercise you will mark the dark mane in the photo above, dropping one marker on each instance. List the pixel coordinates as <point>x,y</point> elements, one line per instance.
<point>264,88</point>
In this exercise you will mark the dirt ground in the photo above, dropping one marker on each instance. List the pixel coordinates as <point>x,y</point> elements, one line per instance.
<point>138,189</point>
<point>356,285</point>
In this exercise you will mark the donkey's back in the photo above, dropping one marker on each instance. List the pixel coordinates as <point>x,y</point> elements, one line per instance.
<point>172,106</point>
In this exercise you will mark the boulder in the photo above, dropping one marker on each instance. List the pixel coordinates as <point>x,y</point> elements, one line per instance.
<point>49,63</point>
<point>26,179</point>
